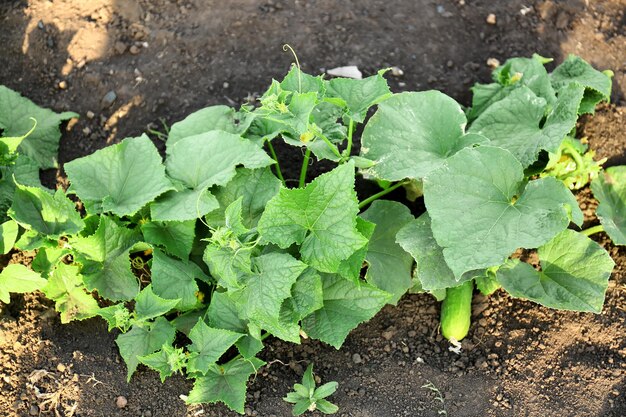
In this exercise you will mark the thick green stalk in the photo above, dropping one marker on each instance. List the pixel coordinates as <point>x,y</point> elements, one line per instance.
<point>279,173</point>
<point>305,166</point>
<point>349,147</point>
<point>593,230</point>
<point>380,194</point>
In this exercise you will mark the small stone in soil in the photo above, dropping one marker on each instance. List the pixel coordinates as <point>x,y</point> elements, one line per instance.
<point>121,401</point>
<point>108,99</point>
<point>63,85</point>
<point>491,19</point>
<point>61,368</point>
<point>34,410</point>
<point>356,358</point>
<point>90,114</point>
<point>134,50</point>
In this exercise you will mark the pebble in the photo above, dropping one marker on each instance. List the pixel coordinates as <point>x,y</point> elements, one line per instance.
<point>63,85</point>
<point>61,368</point>
<point>493,63</point>
<point>33,410</point>
<point>108,99</point>
<point>86,131</point>
<point>134,49</point>
<point>356,358</point>
<point>121,401</point>
<point>225,85</point>
<point>120,47</point>
<point>90,114</point>
<point>396,72</point>
<point>491,19</point>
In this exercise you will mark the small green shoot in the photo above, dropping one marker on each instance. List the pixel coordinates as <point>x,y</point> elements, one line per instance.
<point>305,397</point>
<point>438,396</point>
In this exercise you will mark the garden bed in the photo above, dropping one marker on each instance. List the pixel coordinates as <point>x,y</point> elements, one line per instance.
<point>521,359</point>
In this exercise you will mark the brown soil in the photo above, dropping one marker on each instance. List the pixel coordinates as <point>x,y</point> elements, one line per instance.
<point>166,58</point>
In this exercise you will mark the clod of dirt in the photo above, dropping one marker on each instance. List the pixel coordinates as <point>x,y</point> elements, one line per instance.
<point>121,401</point>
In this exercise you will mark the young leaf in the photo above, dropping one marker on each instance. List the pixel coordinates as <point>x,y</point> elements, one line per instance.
<point>148,305</point>
<point>266,290</point>
<point>65,287</point>
<point>50,215</point>
<point>199,162</point>
<point>432,271</point>
<point>413,133</point>
<point>597,84</point>
<point>256,186</point>
<point>359,95</point>
<point>18,278</point>
<point>105,260</point>
<point>321,217</point>
<point>121,178</point>
<point>326,407</point>
<point>8,236</point>
<point>166,361</point>
<point>225,383</point>
<point>300,82</point>
<point>515,73</point>
<point>574,276</point>
<point>389,265</point>
<point>208,345</point>
<point>487,283</point>
<point>16,114</point>
<point>222,118</point>
<point>47,258</point>
<point>516,123</point>
<point>176,237</point>
<point>326,390</point>
<point>117,317</point>
<point>23,171</point>
<point>479,223</point>
<point>143,340</point>
<point>346,305</point>
<point>173,279</point>
<point>306,296</point>
<point>228,265</point>
<point>351,268</point>
<point>610,191</point>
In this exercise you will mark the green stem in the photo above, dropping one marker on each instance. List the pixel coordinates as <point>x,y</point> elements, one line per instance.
<point>593,230</point>
<point>305,166</point>
<point>330,145</point>
<point>349,147</point>
<point>380,194</point>
<point>570,150</point>
<point>279,173</point>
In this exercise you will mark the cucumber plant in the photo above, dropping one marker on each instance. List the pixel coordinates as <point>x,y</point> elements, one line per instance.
<point>218,243</point>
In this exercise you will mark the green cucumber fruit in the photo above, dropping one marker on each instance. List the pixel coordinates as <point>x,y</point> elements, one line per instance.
<point>456,311</point>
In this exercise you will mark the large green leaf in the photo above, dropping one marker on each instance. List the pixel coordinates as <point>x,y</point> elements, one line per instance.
<point>211,118</point>
<point>121,178</point>
<point>65,287</point>
<point>199,162</point>
<point>351,268</point>
<point>105,259</point>
<point>574,276</point>
<point>176,237</point>
<point>18,278</point>
<point>413,133</point>
<point>482,210</point>
<point>346,305</point>
<point>320,217</point>
<point>597,84</point>
<point>306,296</point>
<point>51,215</point>
<point>174,279</point>
<point>519,122</point>
<point>256,186</point>
<point>208,345</point>
<point>433,273</point>
<point>42,145</point>
<point>359,95</point>
<point>389,265</point>
<point>8,236</point>
<point>301,82</point>
<point>225,383</point>
<point>144,340</point>
<point>610,191</point>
